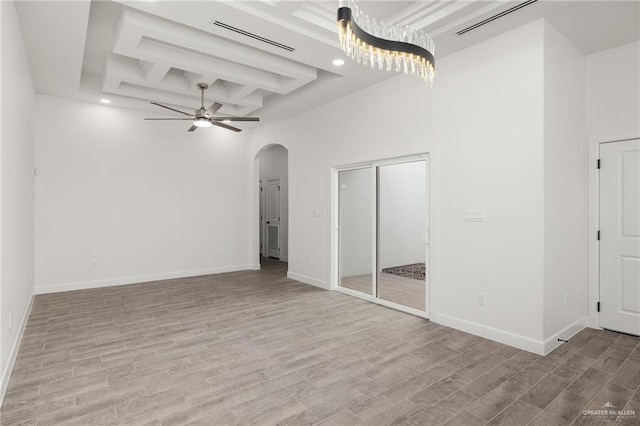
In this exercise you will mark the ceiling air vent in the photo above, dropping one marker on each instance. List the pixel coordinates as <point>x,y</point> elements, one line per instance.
<point>497,16</point>
<point>253,36</point>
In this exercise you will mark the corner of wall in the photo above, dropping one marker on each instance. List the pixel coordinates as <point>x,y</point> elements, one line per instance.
<point>563,335</point>
<point>17,186</point>
<point>565,219</point>
<point>491,333</point>
<point>13,354</point>
<point>308,280</point>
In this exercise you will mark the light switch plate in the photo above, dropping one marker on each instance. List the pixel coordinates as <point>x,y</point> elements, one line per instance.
<point>320,212</point>
<point>475,215</point>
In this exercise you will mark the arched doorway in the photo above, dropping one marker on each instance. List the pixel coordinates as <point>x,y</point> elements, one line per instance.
<point>273,204</point>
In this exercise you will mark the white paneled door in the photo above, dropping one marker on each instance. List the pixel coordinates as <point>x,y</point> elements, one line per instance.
<point>620,236</point>
<point>273,218</point>
<point>261,224</point>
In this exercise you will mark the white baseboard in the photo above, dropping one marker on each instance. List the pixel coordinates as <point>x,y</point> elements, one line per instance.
<point>569,331</point>
<point>308,280</point>
<point>8,368</point>
<point>57,288</point>
<point>500,336</point>
<point>255,267</point>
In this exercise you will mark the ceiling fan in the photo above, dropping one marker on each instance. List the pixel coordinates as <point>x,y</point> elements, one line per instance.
<point>204,117</point>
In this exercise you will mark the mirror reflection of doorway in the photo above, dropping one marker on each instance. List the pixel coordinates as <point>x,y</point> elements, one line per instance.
<point>382,228</point>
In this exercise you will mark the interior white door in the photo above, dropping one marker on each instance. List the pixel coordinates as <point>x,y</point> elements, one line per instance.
<point>620,236</point>
<point>273,218</point>
<point>262,228</point>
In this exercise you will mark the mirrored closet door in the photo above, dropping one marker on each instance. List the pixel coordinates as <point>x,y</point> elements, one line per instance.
<point>382,228</point>
<point>355,230</point>
<point>402,222</point>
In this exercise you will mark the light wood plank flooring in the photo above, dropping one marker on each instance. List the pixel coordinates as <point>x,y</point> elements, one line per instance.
<point>255,348</point>
<point>361,283</point>
<point>405,291</point>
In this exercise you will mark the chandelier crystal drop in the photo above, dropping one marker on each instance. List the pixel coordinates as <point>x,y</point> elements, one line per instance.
<point>378,45</point>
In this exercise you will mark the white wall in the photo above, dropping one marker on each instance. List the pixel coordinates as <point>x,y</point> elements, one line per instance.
<point>402,216</point>
<point>122,200</point>
<point>612,113</point>
<point>482,124</point>
<point>564,185</point>
<point>274,165</point>
<point>613,92</point>
<point>16,190</point>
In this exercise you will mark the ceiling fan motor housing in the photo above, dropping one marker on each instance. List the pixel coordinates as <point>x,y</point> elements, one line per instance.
<point>203,117</point>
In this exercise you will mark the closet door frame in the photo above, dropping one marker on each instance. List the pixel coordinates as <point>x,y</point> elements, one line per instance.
<point>335,234</point>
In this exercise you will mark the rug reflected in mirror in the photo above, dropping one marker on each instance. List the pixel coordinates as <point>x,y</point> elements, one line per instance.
<point>416,271</point>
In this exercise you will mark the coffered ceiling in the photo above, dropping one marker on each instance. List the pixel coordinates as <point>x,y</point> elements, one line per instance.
<point>271,58</point>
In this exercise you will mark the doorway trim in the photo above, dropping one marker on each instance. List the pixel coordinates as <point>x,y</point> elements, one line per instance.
<point>254,206</point>
<point>261,213</point>
<point>593,221</point>
<point>430,234</point>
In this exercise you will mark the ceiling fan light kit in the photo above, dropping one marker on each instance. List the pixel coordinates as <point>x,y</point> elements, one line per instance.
<point>202,122</point>
<point>378,45</point>
<point>203,117</point>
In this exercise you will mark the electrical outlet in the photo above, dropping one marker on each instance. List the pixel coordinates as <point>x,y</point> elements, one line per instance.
<point>94,264</point>
<point>565,300</point>
<point>310,261</point>
<point>482,299</point>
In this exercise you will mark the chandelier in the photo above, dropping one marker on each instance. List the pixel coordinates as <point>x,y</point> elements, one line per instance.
<point>378,45</point>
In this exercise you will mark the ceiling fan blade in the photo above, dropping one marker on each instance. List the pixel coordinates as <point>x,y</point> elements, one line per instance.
<point>214,108</point>
<point>236,118</point>
<point>172,109</point>
<point>191,119</point>
<point>192,128</point>
<point>226,126</point>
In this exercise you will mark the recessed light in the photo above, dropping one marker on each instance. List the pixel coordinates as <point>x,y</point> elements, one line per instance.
<point>226,121</point>
<point>105,101</point>
<point>338,62</point>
